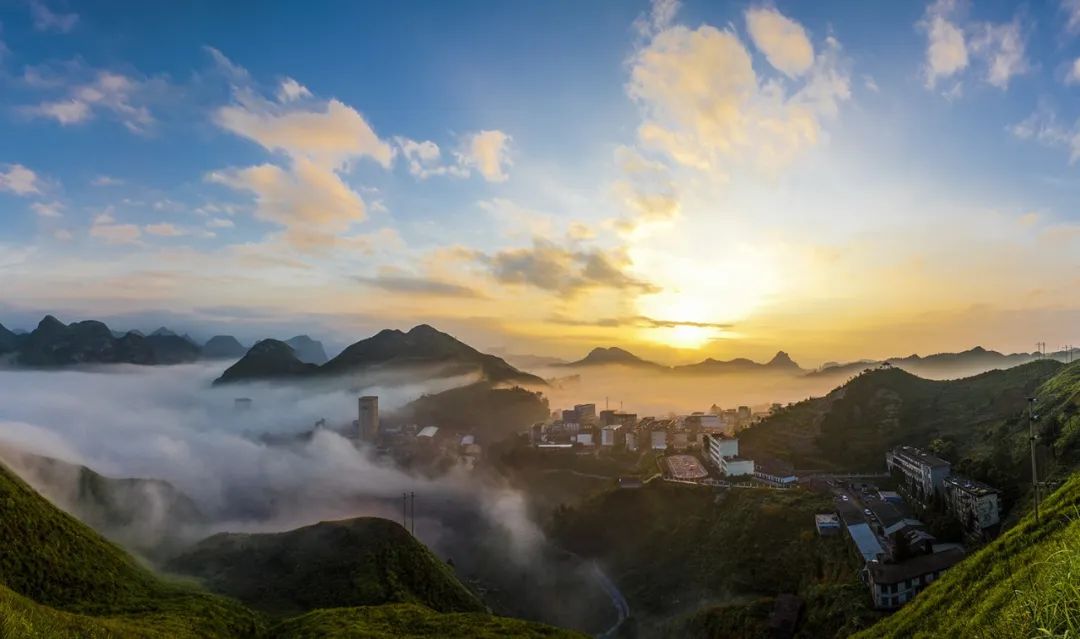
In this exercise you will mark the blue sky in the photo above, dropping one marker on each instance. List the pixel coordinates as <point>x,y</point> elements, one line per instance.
<point>837,179</point>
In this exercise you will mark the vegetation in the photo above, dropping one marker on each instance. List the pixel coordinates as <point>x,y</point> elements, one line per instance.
<point>356,562</point>
<point>675,550</point>
<point>1023,584</point>
<point>481,409</point>
<point>59,580</point>
<point>405,621</point>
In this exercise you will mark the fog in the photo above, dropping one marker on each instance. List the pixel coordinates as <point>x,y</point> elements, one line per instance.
<point>169,423</point>
<point>658,393</point>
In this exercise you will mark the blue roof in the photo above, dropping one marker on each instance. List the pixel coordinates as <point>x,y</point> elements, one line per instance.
<point>865,541</point>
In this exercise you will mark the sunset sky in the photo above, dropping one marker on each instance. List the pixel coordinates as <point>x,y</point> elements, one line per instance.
<point>836,179</point>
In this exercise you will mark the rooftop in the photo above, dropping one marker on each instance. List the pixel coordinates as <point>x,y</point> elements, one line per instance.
<point>922,565</point>
<point>865,541</point>
<point>971,486</point>
<point>920,456</point>
<point>428,431</point>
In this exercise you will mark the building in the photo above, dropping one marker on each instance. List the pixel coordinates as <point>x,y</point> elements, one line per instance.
<point>585,439</point>
<point>628,420</point>
<point>242,403</point>
<point>632,442</point>
<point>585,412</point>
<point>890,496</point>
<point>923,474</point>
<point>866,542</point>
<point>827,524</point>
<point>629,482</point>
<point>776,473</point>
<point>680,440</point>
<point>612,436</point>
<point>974,503</point>
<point>570,416</point>
<point>710,422</point>
<point>717,446</point>
<point>659,439</point>
<point>369,418</point>
<point>737,466</point>
<point>893,585</point>
<point>744,413</point>
<point>607,417</point>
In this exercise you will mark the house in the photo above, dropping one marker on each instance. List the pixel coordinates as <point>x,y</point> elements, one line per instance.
<point>737,466</point>
<point>612,436</point>
<point>893,585</point>
<point>775,472</point>
<point>659,439</point>
<point>827,524</point>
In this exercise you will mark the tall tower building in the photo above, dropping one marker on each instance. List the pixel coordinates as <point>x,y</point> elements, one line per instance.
<point>369,418</point>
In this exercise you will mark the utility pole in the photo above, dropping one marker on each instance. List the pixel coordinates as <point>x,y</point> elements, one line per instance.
<point>405,511</point>
<point>1032,418</point>
<point>413,512</point>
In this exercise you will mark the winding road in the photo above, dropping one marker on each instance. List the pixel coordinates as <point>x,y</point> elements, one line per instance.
<point>622,608</point>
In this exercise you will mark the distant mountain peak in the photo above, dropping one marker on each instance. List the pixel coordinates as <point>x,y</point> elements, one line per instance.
<point>163,332</point>
<point>782,359</point>
<point>606,355</point>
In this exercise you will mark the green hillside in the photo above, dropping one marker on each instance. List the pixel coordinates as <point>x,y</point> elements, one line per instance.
<point>1024,584</point>
<point>677,552</point>
<point>61,580</point>
<point>408,621</point>
<point>978,423</point>
<point>356,562</point>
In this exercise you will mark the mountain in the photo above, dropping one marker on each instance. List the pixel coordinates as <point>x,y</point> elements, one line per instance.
<point>421,347</point>
<point>267,360</point>
<point>53,344</point>
<point>8,341</point>
<point>58,578</point>
<point>780,363</point>
<point>223,347</point>
<point>308,350</point>
<point>172,349</point>
<point>1022,584</point>
<point>613,356</point>
<point>146,515</point>
<point>480,409</point>
<point>366,561</point>
<point>942,365</point>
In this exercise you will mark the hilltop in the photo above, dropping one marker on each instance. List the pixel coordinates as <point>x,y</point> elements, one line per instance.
<point>612,356</point>
<point>422,347</point>
<point>356,562</point>
<point>780,363</point>
<point>480,409</point>
<point>1023,584</point>
<point>60,579</point>
<point>223,347</point>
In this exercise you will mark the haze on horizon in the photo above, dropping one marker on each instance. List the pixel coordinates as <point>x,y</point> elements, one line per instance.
<point>681,179</point>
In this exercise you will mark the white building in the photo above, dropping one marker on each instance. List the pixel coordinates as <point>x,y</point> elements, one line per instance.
<point>719,446</point>
<point>611,436</point>
<point>659,439</point>
<point>737,466</point>
<point>585,439</point>
<point>923,473</point>
<point>974,503</point>
<point>827,524</point>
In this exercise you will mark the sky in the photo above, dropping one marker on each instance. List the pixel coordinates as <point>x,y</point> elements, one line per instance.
<point>838,180</point>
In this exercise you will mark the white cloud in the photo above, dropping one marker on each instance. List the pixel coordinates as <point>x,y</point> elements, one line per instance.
<point>328,136</point>
<point>17,179</point>
<point>1043,127</point>
<point>106,229</point>
<point>425,159</point>
<point>783,41</point>
<point>661,15</point>
<point>489,153</point>
<point>1002,46</point>
<point>319,140</point>
<point>163,230</point>
<point>291,91</point>
<point>1073,74</point>
<point>47,20</point>
<point>220,223</point>
<point>105,180</point>
<point>953,43</point>
<point>120,95</point>
<point>47,209</point>
<point>1072,15</point>
<point>704,105</point>
<point>63,235</point>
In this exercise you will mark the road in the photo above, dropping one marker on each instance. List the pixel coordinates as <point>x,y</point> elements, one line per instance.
<point>622,608</point>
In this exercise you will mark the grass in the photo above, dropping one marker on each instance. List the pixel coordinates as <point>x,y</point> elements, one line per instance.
<point>356,562</point>
<point>1024,584</point>
<point>61,580</point>
<point>675,550</point>
<point>405,621</point>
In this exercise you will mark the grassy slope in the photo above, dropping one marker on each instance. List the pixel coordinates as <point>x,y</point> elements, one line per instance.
<point>1024,584</point>
<point>409,620</point>
<point>355,562</point>
<point>59,579</point>
<point>675,550</point>
<point>51,559</point>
